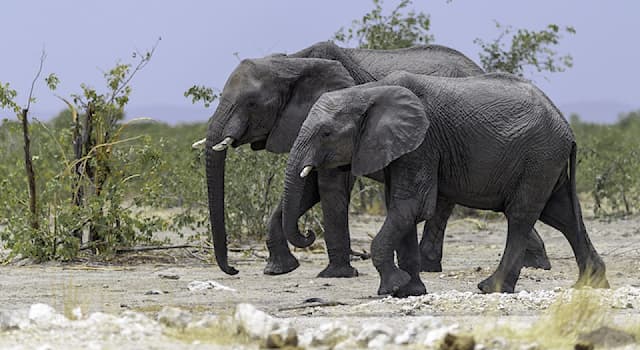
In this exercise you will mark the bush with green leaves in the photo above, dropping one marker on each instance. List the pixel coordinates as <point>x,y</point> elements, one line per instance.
<point>87,174</point>
<point>609,163</point>
<point>527,49</point>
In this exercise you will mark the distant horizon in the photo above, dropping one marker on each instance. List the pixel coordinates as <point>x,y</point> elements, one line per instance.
<point>588,111</point>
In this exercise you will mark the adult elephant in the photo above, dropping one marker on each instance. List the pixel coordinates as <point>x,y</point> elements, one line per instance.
<point>264,103</point>
<point>492,142</point>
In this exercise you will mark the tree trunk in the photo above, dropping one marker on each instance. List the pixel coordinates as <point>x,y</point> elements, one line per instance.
<point>31,176</point>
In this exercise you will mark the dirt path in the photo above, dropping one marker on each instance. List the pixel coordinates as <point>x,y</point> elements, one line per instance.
<point>472,251</point>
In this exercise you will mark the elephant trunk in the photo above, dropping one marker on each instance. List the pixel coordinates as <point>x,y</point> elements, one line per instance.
<point>215,162</point>
<point>294,186</point>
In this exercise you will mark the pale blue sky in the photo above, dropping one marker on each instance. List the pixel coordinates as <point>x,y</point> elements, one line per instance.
<point>82,38</point>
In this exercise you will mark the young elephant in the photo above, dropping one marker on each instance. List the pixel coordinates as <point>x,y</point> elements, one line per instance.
<point>264,103</point>
<point>491,142</point>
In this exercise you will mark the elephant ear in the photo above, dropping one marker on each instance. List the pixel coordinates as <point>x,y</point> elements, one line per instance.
<point>395,124</point>
<point>307,79</point>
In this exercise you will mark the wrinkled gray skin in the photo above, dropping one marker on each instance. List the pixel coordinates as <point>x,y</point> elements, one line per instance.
<point>265,101</point>
<point>490,142</point>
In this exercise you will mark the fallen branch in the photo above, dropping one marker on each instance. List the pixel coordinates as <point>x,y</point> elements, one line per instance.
<point>159,247</point>
<point>319,303</point>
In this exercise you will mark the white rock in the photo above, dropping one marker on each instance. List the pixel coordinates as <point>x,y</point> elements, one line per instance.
<point>253,322</point>
<point>174,317</point>
<point>9,320</point>
<point>282,337</point>
<point>379,342</point>
<point>330,333</point>
<point>259,325</point>
<point>416,329</point>
<point>375,335</point>
<point>347,344</point>
<point>76,313</point>
<point>433,337</point>
<point>44,315</point>
<point>195,286</point>
<point>207,321</point>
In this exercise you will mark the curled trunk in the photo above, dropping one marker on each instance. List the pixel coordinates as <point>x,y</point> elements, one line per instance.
<point>294,187</point>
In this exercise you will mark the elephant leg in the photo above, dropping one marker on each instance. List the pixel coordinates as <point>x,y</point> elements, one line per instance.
<point>505,277</point>
<point>392,279</point>
<point>280,259</point>
<point>409,261</point>
<point>335,192</point>
<point>535,254</point>
<point>560,214</point>
<point>431,244</point>
<point>433,236</point>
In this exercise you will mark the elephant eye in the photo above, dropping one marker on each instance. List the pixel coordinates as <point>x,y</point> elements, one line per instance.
<point>326,133</point>
<point>252,104</point>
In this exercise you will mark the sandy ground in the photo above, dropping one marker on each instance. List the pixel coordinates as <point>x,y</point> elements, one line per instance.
<point>472,250</point>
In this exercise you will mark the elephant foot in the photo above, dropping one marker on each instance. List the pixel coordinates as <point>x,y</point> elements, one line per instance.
<point>428,265</point>
<point>338,271</point>
<point>536,259</point>
<point>279,264</point>
<point>594,277</point>
<point>415,287</point>
<point>391,282</point>
<point>493,285</point>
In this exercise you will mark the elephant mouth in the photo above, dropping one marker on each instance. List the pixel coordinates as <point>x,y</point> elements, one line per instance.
<point>247,138</point>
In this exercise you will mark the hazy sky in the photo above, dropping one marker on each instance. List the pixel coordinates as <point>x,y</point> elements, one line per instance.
<point>199,39</point>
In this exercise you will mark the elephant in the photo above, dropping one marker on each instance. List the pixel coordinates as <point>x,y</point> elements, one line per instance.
<point>492,142</point>
<point>264,103</point>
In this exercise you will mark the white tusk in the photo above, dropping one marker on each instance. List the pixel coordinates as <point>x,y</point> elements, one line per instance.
<point>223,144</point>
<point>306,171</point>
<point>199,144</point>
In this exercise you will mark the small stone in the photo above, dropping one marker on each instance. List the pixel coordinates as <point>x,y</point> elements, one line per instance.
<point>76,313</point>
<point>153,292</point>
<point>105,286</point>
<point>253,322</point>
<point>583,346</point>
<point>169,276</point>
<point>8,321</point>
<point>347,344</point>
<point>375,335</point>
<point>282,337</point>
<point>195,286</point>
<point>328,334</point>
<point>45,316</point>
<point>174,317</point>
<point>434,336</point>
<point>457,342</point>
<point>207,321</point>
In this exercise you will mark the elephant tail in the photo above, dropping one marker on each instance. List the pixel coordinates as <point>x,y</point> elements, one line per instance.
<point>573,193</point>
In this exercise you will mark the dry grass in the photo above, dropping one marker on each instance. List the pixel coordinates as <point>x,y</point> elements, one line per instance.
<point>573,313</point>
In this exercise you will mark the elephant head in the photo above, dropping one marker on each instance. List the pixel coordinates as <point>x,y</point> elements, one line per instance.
<point>367,126</point>
<point>264,102</point>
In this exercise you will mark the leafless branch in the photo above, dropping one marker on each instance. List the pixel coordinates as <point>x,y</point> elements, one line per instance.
<point>43,56</point>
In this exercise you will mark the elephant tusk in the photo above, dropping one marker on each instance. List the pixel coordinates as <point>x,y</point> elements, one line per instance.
<point>199,144</point>
<point>306,171</point>
<point>223,144</point>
